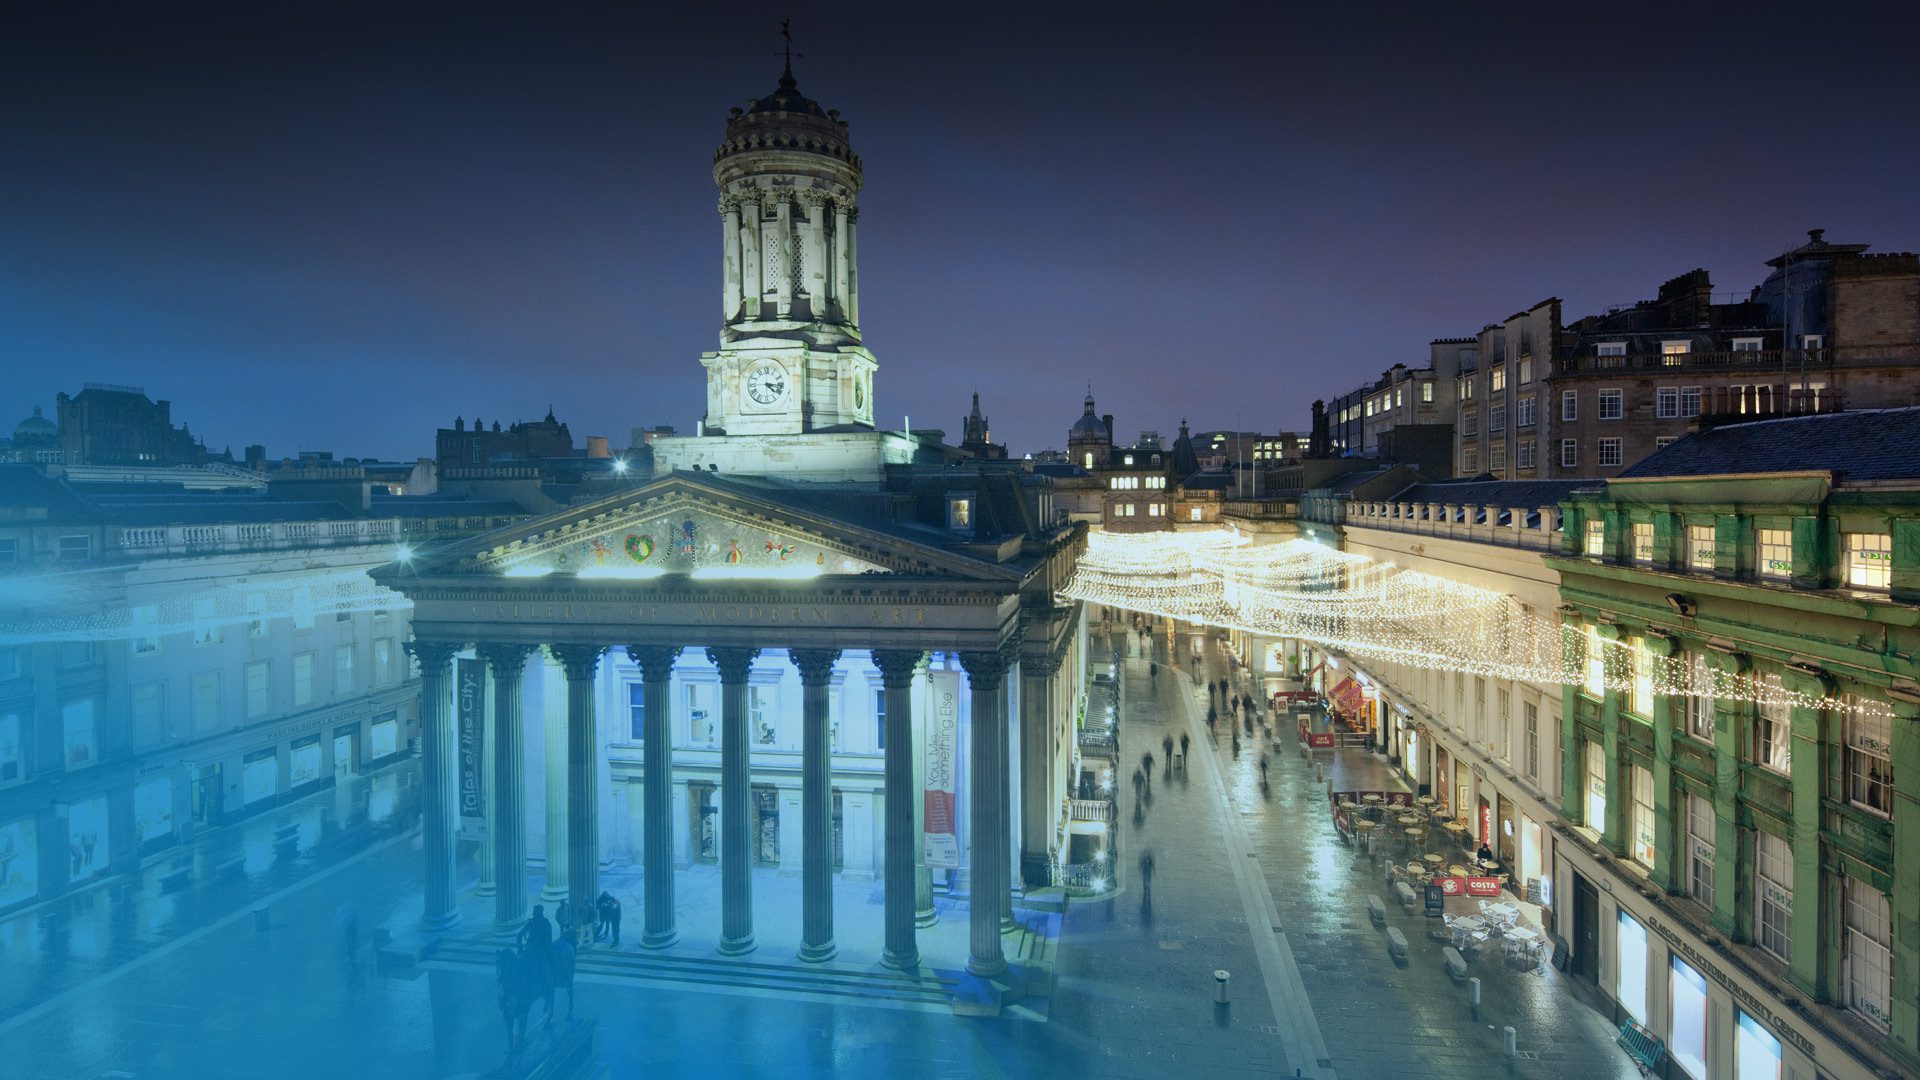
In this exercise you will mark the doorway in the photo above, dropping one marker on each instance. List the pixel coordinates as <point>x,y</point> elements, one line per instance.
<point>1586,930</point>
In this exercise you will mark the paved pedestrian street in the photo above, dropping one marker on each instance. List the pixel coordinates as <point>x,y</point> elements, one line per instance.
<point>1247,879</point>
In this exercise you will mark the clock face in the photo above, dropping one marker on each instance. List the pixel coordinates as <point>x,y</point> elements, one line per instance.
<point>766,382</point>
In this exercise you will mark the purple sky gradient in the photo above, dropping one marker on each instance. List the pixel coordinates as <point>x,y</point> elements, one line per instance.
<point>331,227</point>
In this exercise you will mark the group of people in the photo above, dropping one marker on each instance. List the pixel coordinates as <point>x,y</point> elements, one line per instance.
<point>603,915</point>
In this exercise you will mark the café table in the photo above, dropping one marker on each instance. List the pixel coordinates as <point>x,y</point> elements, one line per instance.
<point>1433,860</point>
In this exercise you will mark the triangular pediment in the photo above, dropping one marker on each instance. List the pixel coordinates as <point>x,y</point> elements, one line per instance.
<point>683,525</point>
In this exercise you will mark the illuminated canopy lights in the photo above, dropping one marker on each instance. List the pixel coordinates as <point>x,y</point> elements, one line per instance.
<point>1374,610</point>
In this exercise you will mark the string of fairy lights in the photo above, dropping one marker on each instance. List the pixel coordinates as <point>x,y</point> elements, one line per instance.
<point>1377,611</point>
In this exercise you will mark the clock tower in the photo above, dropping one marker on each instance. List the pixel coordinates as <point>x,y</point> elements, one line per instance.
<point>790,360</point>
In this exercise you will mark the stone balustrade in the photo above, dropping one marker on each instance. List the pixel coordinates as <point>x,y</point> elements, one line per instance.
<point>1538,527</point>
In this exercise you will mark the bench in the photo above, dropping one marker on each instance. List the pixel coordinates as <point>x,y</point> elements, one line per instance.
<point>1396,943</point>
<point>236,865</point>
<point>286,834</point>
<point>1643,1046</point>
<point>1404,893</point>
<point>176,878</point>
<point>1377,910</point>
<point>1456,964</point>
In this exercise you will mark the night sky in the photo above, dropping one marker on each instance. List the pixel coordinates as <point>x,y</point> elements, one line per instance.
<point>336,227</point>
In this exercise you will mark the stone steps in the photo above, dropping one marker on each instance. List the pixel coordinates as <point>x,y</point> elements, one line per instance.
<point>880,984</point>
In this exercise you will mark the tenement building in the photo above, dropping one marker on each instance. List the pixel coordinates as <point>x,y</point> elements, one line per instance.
<point>804,643</point>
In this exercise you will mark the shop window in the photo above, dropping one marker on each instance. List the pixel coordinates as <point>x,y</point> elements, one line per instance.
<point>303,761</point>
<point>1773,895</point>
<point>153,810</point>
<point>1869,559</point>
<point>1643,832</point>
<point>19,861</point>
<point>11,766</point>
<point>257,687</point>
<point>88,840</point>
<point>1867,953</point>
<point>79,736</point>
<point>383,737</point>
<point>1776,553</point>
<point>260,777</point>
<point>1756,1053</point>
<point>144,642</point>
<point>1687,1034</point>
<point>303,679</point>
<point>1700,836</point>
<point>1630,967</point>
<point>1869,759</point>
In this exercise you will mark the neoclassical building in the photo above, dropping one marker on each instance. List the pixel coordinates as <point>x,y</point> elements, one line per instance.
<point>801,643</point>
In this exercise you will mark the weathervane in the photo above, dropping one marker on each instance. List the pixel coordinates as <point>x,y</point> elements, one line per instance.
<point>786,31</point>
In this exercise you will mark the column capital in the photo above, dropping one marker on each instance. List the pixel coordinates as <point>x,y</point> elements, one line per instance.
<point>504,659</point>
<point>432,656</point>
<point>898,666</point>
<point>734,662</point>
<point>729,204</point>
<point>813,198</point>
<point>985,670</point>
<point>656,661</point>
<point>579,661</point>
<point>816,665</point>
<point>1042,665</point>
<point>1806,679</point>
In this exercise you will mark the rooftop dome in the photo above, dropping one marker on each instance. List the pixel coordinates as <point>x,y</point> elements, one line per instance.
<point>785,122</point>
<point>36,428</point>
<point>1088,426</point>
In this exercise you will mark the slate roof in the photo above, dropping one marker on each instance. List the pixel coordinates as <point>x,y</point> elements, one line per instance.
<point>214,509</point>
<point>1531,494</point>
<point>24,486</point>
<point>1863,445</point>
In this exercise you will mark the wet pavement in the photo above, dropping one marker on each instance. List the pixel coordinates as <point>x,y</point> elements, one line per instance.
<point>1248,880</point>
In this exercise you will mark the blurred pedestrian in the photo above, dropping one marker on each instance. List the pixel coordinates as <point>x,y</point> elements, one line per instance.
<point>1263,770</point>
<point>346,920</point>
<point>1166,744</point>
<point>1183,744</point>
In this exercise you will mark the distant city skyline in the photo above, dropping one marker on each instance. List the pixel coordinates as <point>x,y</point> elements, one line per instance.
<point>339,230</point>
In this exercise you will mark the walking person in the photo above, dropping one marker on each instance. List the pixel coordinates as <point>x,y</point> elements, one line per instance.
<point>1263,770</point>
<point>610,914</point>
<point>1166,744</point>
<point>1146,876</point>
<point>1183,745</point>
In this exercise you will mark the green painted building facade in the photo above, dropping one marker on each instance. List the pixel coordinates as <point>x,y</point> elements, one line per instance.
<point>1786,829</point>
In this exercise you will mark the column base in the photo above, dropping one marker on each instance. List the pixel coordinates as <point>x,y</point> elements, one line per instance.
<point>1008,923</point>
<point>900,961</point>
<point>485,888</point>
<point>819,954</point>
<point>552,895</point>
<point>986,969</point>
<point>925,917</point>
<point>661,940</point>
<point>508,929</point>
<point>434,924</point>
<point>737,946</point>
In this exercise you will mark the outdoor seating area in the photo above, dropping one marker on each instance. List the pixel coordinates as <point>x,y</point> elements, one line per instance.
<point>1495,925</point>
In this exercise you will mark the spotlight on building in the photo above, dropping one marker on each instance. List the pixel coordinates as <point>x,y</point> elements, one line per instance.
<point>403,554</point>
<point>619,466</point>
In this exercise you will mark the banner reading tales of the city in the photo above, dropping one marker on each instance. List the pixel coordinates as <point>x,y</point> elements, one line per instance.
<point>470,716</point>
<point>941,844</point>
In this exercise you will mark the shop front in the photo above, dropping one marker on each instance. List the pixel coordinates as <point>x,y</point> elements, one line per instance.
<point>344,738</point>
<point>19,861</point>
<point>153,814</point>
<point>304,763</point>
<point>383,737</point>
<point>259,776</point>
<point>89,841</point>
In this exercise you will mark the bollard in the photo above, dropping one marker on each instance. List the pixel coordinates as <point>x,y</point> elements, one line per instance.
<point>1473,995</point>
<point>1220,987</point>
<point>1512,1043</point>
<point>261,920</point>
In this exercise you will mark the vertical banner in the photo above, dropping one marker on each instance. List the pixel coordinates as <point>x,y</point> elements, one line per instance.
<point>470,718</point>
<point>940,842</point>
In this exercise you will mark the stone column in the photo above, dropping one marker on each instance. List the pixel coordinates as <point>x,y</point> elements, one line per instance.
<point>1812,903</point>
<point>752,280</point>
<point>656,752</point>
<point>1038,810</point>
<point>554,783</point>
<point>815,266</point>
<point>779,261</point>
<point>986,678</point>
<point>897,669</point>
<point>816,802</point>
<point>853,265</point>
<point>507,664</point>
<point>730,253</point>
<point>582,663</point>
<point>1004,751</point>
<point>436,777</point>
<point>924,914</point>
<point>736,801</point>
<point>840,254</point>
<point>484,887</point>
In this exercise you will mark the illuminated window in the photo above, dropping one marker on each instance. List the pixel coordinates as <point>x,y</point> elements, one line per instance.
<point>1776,553</point>
<point>1193,513</point>
<point>1596,537</point>
<point>1596,787</point>
<point>1596,683</point>
<point>1773,727</point>
<point>1869,559</point>
<point>1497,378</point>
<point>1870,760</point>
<point>1426,393</point>
<point>1673,353</point>
<point>1700,698</point>
<point>1642,540</point>
<point>1642,659</point>
<point>959,513</point>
